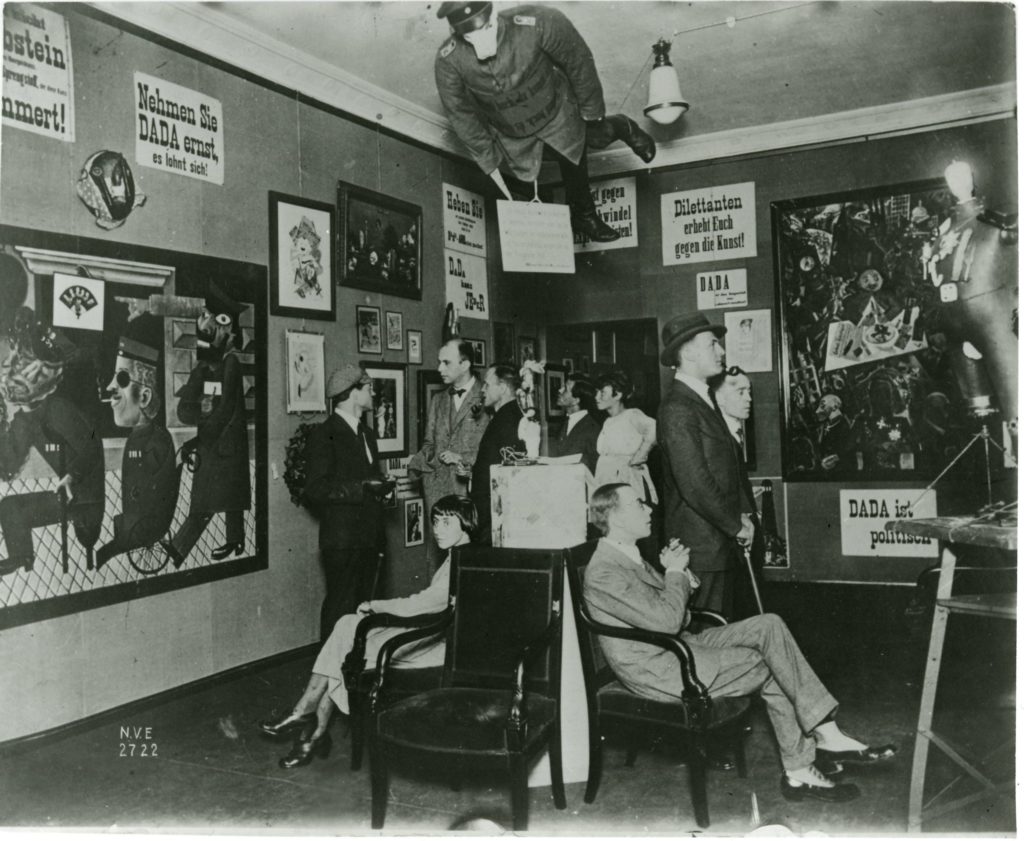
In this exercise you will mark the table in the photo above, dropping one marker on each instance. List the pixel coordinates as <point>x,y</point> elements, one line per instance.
<point>951,531</point>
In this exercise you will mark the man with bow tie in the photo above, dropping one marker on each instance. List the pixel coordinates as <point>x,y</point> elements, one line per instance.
<point>455,424</point>
<point>705,504</point>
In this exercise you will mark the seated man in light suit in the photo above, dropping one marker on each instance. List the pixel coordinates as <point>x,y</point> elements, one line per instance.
<point>755,655</point>
<point>579,435</point>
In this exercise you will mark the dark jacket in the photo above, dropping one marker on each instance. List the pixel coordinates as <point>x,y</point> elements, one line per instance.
<point>704,494</point>
<point>336,466</point>
<point>581,439</point>
<point>502,431</point>
<point>149,486</point>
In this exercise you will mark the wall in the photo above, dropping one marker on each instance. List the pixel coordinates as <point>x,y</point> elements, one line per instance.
<point>633,283</point>
<point>74,666</point>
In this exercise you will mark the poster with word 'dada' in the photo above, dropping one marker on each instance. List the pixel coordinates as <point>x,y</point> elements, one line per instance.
<point>178,130</point>
<point>863,516</point>
<point>535,237</point>
<point>466,284</point>
<point>713,223</point>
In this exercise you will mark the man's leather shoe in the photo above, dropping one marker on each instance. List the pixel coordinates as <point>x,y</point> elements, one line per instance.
<point>588,223</point>
<point>277,727</point>
<point>828,767</point>
<point>221,552</point>
<point>14,564</point>
<point>173,553</point>
<point>867,756</point>
<point>839,793</point>
<point>378,488</point>
<point>305,749</point>
<point>633,136</point>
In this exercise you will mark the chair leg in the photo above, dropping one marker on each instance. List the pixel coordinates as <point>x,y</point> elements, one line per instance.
<point>520,793</point>
<point>378,785</point>
<point>357,729</point>
<point>594,771</point>
<point>698,786</point>
<point>741,755</point>
<point>555,759</point>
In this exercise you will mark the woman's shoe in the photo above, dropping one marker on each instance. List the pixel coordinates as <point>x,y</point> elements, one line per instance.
<point>278,727</point>
<point>304,750</point>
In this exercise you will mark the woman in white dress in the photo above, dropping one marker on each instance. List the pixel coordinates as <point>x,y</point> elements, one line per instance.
<point>453,519</point>
<point>626,438</point>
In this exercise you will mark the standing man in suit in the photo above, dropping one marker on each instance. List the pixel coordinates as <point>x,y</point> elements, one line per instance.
<point>500,385</point>
<point>343,488</point>
<point>455,424</point>
<point>705,506</point>
<point>579,435</point>
<point>755,655</point>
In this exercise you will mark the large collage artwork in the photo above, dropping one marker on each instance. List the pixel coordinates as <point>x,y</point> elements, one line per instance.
<point>132,422</point>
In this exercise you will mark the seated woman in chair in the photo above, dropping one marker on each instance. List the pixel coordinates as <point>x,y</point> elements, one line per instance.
<point>453,520</point>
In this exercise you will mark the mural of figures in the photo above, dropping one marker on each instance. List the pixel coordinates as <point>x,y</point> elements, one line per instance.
<point>132,422</point>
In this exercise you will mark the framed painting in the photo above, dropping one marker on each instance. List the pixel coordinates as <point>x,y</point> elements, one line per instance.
<point>526,349</point>
<point>302,276</point>
<point>867,385</point>
<point>555,377</point>
<point>378,242</point>
<point>414,343</point>
<point>390,412</point>
<point>414,522</point>
<point>428,383</point>
<point>393,330</point>
<point>306,380</point>
<point>479,352</point>
<point>368,331</point>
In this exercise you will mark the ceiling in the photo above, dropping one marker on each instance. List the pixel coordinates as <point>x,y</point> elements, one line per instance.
<point>765,73</point>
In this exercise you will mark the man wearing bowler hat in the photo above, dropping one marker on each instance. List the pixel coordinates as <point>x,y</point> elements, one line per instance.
<point>343,488</point>
<point>705,507</point>
<point>516,82</point>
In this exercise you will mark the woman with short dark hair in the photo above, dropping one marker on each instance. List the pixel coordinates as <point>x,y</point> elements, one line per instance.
<point>626,438</point>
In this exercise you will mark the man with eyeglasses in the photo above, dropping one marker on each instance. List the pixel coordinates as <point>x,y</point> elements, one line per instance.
<point>344,486</point>
<point>149,481</point>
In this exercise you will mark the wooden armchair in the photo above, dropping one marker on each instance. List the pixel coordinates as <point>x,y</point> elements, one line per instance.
<point>498,704</point>
<point>693,721</point>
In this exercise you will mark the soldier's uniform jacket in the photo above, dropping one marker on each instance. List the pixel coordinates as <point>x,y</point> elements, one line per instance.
<point>149,486</point>
<point>539,88</point>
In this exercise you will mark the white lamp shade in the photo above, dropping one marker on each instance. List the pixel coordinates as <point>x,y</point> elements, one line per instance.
<point>665,103</point>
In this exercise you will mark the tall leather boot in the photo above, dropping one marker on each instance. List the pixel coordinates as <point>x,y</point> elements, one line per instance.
<point>600,133</point>
<point>581,203</point>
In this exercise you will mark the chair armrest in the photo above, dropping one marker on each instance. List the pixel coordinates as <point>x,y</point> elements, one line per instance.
<point>427,625</point>
<point>712,617</point>
<point>515,724</point>
<point>355,662</point>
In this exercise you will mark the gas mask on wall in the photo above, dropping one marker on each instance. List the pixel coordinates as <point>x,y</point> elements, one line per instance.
<point>106,186</point>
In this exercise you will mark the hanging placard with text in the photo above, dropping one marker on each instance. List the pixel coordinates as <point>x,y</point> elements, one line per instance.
<point>535,237</point>
<point>465,226</point>
<point>39,93</point>
<point>864,514</point>
<point>719,290</point>
<point>466,284</point>
<point>714,223</point>
<point>615,202</point>
<point>178,130</point>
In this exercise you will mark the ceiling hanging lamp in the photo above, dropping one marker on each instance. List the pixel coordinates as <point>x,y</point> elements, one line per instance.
<point>665,103</point>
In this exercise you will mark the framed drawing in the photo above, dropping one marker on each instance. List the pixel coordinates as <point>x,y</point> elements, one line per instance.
<point>428,383</point>
<point>555,376</point>
<point>526,349</point>
<point>304,357</point>
<point>390,412</point>
<point>368,329</point>
<point>378,242</point>
<point>414,342</point>
<point>393,330</point>
<point>302,275</point>
<point>479,352</point>
<point>414,522</point>
<point>505,343</point>
<point>867,385</point>
<point>567,364</point>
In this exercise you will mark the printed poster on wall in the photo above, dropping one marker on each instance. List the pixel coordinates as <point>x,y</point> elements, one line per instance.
<point>748,340</point>
<point>78,302</point>
<point>466,284</point>
<point>718,290</point>
<point>178,130</point>
<point>713,223</point>
<point>39,93</point>
<point>864,514</point>
<point>615,201</point>
<point>535,237</point>
<point>465,226</point>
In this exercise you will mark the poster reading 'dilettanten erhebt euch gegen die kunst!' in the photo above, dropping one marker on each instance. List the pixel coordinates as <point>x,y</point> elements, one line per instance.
<point>713,223</point>
<point>178,130</point>
<point>38,88</point>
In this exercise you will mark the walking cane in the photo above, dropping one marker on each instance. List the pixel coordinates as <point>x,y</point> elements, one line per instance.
<point>753,579</point>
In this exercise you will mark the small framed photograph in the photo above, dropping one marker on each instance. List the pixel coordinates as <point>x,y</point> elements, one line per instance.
<point>414,522</point>
<point>302,276</point>
<point>567,364</point>
<point>479,352</point>
<point>428,383</point>
<point>527,349</point>
<point>379,244</point>
<point>304,356</point>
<point>414,342</point>
<point>393,330</point>
<point>368,329</point>
<point>555,376</point>
<point>504,343</point>
<point>389,418</point>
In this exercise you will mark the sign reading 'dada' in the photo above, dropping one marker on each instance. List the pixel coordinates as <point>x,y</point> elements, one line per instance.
<point>865,513</point>
<point>714,223</point>
<point>39,94</point>
<point>465,225</point>
<point>178,130</point>
<point>466,284</point>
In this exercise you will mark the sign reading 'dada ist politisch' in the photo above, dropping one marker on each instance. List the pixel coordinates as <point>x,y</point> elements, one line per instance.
<point>178,130</point>
<point>38,88</point>
<point>714,223</point>
<point>864,514</point>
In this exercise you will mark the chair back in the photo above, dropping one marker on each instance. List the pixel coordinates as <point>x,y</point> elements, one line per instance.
<point>504,599</point>
<point>596,671</point>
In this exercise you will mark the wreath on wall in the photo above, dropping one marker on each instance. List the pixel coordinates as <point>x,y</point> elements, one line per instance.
<point>295,462</point>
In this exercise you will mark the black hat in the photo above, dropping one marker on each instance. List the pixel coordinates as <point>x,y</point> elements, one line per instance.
<point>681,329</point>
<point>465,17</point>
<point>217,302</point>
